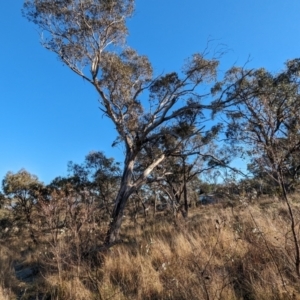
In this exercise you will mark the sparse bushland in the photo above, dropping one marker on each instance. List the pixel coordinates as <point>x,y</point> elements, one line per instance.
<point>229,250</point>
<point>65,240</point>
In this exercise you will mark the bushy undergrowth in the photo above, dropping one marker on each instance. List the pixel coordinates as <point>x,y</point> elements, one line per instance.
<point>236,251</point>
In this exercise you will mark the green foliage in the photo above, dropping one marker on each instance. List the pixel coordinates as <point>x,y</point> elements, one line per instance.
<point>96,179</point>
<point>21,186</point>
<point>2,200</point>
<point>266,122</point>
<point>73,28</point>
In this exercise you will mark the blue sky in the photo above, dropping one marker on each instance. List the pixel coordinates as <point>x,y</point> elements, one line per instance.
<point>50,116</point>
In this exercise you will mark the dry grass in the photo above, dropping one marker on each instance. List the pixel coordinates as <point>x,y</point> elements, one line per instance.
<point>234,252</point>
<point>4,295</point>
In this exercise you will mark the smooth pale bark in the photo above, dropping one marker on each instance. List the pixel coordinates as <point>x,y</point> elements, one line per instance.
<point>113,233</point>
<point>127,188</point>
<point>124,193</point>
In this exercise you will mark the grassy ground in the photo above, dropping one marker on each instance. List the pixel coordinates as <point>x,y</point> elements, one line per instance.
<point>223,251</point>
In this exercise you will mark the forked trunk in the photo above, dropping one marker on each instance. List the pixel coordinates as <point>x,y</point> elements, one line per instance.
<point>113,233</point>
<point>126,189</point>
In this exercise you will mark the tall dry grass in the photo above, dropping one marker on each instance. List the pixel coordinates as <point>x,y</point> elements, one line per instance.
<point>234,251</point>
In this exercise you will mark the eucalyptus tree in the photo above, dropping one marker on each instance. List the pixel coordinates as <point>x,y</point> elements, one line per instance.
<point>22,190</point>
<point>89,37</point>
<point>267,122</point>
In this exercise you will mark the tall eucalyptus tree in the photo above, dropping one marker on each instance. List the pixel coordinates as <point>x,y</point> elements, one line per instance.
<point>89,36</point>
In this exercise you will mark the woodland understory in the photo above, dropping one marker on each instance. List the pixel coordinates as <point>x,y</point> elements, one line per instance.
<point>234,249</point>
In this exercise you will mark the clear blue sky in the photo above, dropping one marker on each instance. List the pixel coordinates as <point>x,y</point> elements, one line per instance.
<point>49,116</point>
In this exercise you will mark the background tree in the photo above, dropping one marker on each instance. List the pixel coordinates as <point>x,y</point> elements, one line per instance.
<point>89,37</point>
<point>22,190</point>
<point>2,200</point>
<point>196,156</point>
<point>99,175</point>
<point>267,122</point>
